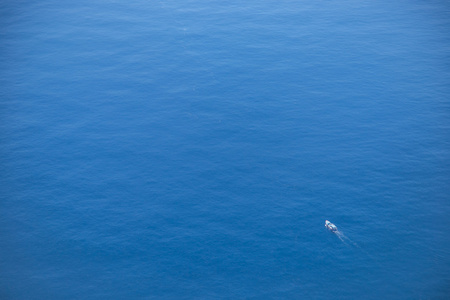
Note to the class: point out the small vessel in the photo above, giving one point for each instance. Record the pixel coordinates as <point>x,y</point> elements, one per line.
<point>330,226</point>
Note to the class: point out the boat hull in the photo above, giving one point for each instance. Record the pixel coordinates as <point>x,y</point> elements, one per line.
<point>330,226</point>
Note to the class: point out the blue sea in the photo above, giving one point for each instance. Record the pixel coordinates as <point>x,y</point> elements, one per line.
<point>193,149</point>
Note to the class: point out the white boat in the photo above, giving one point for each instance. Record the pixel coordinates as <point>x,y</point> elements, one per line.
<point>330,226</point>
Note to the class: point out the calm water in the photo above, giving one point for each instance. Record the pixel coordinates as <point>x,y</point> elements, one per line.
<point>193,149</point>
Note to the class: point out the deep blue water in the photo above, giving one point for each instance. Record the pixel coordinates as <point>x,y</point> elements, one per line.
<point>193,149</point>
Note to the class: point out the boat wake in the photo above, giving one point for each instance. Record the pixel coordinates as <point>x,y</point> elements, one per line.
<point>346,240</point>
<point>351,243</point>
<point>333,228</point>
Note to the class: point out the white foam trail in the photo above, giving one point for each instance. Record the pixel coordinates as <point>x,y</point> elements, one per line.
<point>344,238</point>
<point>340,235</point>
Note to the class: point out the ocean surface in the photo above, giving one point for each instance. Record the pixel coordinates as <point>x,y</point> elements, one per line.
<point>193,149</point>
